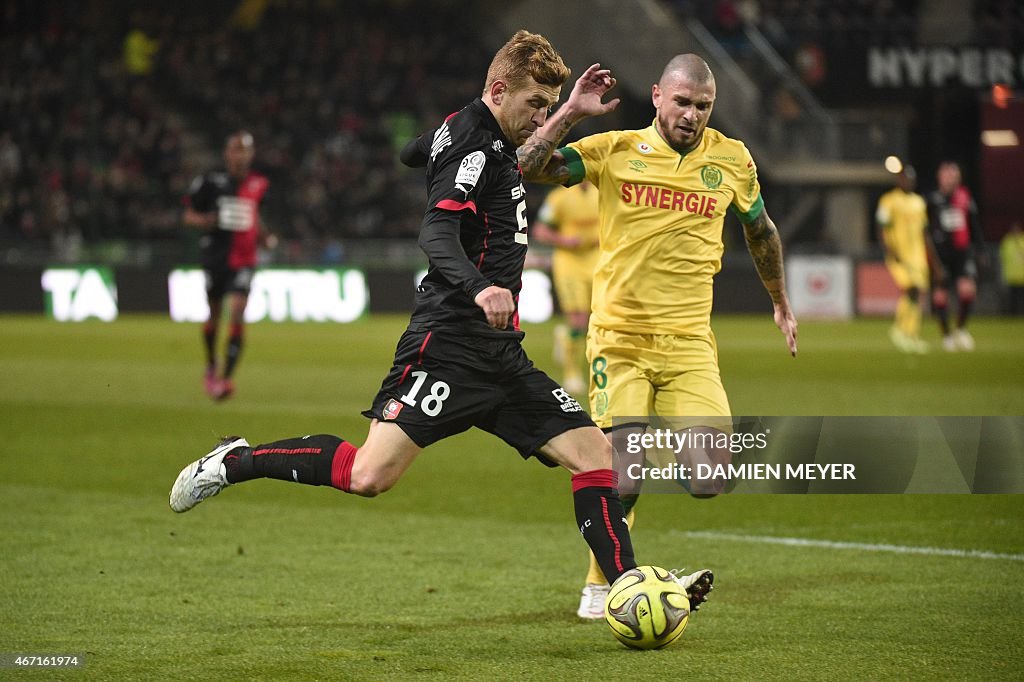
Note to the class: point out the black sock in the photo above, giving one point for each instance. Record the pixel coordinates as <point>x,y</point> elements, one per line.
<point>602,521</point>
<point>210,342</point>
<point>234,351</point>
<point>942,312</point>
<point>963,311</point>
<point>309,460</point>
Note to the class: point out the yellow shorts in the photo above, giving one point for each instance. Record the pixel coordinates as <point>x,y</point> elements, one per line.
<point>908,274</point>
<point>641,375</point>
<point>574,280</point>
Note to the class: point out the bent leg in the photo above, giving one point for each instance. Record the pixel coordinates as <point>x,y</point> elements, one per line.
<point>386,455</point>
<point>210,333</point>
<point>587,454</point>
<point>236,332</point>
<point>966,291</point>
<point>328,460</point>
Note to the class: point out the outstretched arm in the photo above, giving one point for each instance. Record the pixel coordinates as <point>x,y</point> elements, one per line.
<point>766,249</point>
<point>537,156</point>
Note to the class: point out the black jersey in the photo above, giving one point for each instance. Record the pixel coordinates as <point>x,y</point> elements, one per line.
<point>232,244</point>
<point>953,221</point>
<point>474,229</point>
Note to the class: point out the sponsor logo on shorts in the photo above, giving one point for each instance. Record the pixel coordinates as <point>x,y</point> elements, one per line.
<point>601,404</point>
<point>568,403</point>
<point>391,409</point>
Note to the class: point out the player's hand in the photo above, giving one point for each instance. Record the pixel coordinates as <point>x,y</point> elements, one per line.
<point>786,322</point>
<point>585,98</point>
<point>497,305</point>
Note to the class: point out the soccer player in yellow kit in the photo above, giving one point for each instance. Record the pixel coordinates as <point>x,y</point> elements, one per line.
<point>902,217</point>
<point>664,192</point>
<point>568,221</point>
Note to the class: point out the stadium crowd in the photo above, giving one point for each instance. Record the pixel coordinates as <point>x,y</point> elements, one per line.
<point>109,108</point>
<point>107,112</point>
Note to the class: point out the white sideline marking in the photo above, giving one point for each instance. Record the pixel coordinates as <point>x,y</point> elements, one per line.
<point>863,546</point>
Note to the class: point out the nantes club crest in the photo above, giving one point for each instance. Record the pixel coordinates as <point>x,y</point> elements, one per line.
<point>711,177</point>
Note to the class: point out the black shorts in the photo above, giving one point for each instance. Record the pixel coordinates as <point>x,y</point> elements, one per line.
<point>957,264</point>
<point>224,280</point>
<point>442,384</point>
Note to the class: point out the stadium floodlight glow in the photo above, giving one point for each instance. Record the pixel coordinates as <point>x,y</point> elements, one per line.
<point>999,138</point>
<point>893,164</point>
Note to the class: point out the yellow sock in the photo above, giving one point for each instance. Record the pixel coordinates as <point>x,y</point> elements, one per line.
<point>575,353</point>
<point>595,576</point>
<point>903,315</point>
<point>913,319</point>
<point>561,345</point>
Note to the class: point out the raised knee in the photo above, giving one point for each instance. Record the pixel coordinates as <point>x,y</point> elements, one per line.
<point>369,483</point>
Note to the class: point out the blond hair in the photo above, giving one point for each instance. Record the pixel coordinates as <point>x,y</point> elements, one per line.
<point>527,55</point>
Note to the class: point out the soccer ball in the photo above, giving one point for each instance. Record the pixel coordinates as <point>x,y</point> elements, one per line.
<point>646,608</point>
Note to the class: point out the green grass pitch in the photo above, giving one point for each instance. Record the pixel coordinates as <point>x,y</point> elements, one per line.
<point>470,568</point>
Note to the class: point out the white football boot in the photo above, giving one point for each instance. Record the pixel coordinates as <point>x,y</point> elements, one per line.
<point>592,601</point>
<point>204,477</point>
<point>696,585</point>
<point>964,340</point>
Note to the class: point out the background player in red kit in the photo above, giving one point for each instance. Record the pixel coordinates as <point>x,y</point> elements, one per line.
<point>225,203</point>
<point>955,231</point>
<point>460,362</point>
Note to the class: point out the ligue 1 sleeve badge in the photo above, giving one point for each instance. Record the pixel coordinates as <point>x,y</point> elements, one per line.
<point>391,409</point>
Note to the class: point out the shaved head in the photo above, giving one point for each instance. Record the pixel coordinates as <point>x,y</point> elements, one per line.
<point>689,66</point>
<point>684,98</point>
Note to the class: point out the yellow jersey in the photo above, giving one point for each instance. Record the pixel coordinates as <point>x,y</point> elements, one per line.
<point>573,212</point>
<point>904,219</point>
<point>661,218</point>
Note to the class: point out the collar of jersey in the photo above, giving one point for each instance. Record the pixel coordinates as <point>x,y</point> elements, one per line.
<point>491,123</point>
<point>661,144</point>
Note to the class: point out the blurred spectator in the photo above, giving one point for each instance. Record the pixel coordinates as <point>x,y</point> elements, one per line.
<point>138,52</point>
<point>1011,258</point>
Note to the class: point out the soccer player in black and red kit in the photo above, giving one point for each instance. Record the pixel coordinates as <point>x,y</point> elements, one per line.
<point>225,204</point>
<point>460,362</point>
<point>956,233</point>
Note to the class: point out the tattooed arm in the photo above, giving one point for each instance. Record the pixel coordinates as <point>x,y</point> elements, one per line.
<point>537,156</point>
<point>766,249</point>
<point>541,162</point>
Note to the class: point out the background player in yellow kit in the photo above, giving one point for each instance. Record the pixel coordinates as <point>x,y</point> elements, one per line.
<point>664,192</point>
<point>902,218</point>
<point>568,221</point>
